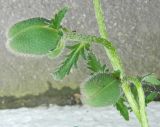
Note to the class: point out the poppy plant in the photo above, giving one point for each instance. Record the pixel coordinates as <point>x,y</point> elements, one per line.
<point>47,37</point>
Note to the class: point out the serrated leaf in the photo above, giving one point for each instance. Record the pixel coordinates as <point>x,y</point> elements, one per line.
<point>56,52</point>
<point>68,63</point>
<point>56,22</point>
<point>151,79</point>
<point>94,64</point>
<point>84,52</point>
<point>151,97</point>
<point>122,108</point>
<point>100,90</point>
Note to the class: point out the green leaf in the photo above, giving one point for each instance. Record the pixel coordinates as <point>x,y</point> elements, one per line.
<point>70,60</point>
<point>151,79</point>
<point>33,37</point>
<point>151,97</point>
<point>84,52</point>
<point>100,90</point>
<point>120,105</point>
<point>56,52</point>
<point>56,22</point>
<point>94,64</point>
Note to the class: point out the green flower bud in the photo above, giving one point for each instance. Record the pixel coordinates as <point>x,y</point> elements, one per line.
<point>100,90</point>
<point>33,37</point>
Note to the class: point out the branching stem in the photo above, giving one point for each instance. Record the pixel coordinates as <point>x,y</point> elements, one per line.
<point>141,98</point>
<point>110,50</point>
<point>114,58</point>
<point>138,109</point>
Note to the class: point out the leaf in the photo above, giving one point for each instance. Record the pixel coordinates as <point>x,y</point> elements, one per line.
<point>94,64</point>
<point>33,37</point>
<point>84,53</point>
<point>151,79</point>
<point>56,52</point>
<point>68,63</point>
<point>151,97</point>
<point>120,105</point>
<point>100,90</point>
<point>56,22</point>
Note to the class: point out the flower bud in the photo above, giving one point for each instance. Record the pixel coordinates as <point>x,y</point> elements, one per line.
<point>33,37</point>
<point>100,90</point>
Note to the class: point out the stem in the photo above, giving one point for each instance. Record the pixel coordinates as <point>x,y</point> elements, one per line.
<point>141,97</point>
<point>110,50</point>
<point>141,115</point>
<point>130,98</point>
<point>115,60</point>
<point>116,63</point>
<point>101,19</point>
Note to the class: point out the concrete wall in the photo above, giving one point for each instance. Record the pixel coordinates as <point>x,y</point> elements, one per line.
<point>133,25</point>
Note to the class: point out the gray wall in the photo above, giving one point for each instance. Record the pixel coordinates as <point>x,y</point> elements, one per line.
<point>133,25</point>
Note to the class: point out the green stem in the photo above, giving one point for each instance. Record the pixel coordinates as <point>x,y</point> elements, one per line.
<point>115,60</point>
<point>110,50</point>
<point>118,65</point>
<point>141,97</point>
<point>131,100</point>
<point>101,19</point>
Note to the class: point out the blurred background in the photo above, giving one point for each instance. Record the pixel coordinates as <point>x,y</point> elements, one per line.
<point>133,26</point>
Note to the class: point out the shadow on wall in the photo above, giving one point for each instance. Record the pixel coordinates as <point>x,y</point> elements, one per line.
<point>65,96</point>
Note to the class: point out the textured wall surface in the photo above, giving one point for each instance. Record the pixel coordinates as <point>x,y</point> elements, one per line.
<point>74,116</point>
<point>134,27</point>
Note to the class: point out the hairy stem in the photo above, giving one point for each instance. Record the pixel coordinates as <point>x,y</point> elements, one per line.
<point>118,64</point>
<point>130,98</point>
<point>140,113</point>
<point>138,108</point>
<point>101,19</point>
<point>113,56</point>
<point>110,50</point>
<point>141,97</point>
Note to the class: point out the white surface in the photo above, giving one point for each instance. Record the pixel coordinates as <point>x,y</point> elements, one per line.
<point>74,116</point>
